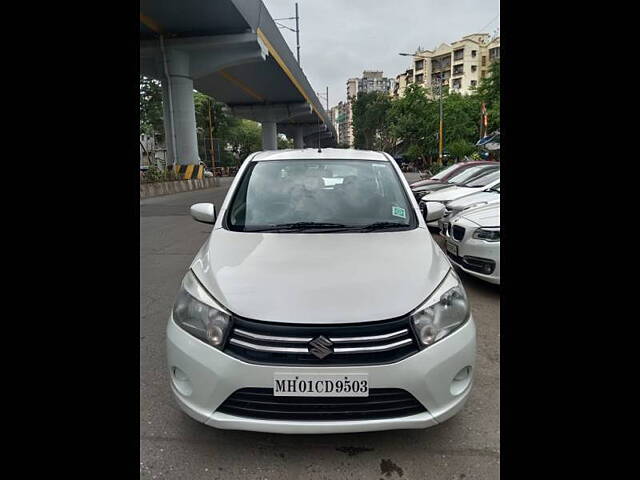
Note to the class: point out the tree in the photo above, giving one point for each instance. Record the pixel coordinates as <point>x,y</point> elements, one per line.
<point>284,143</point>
<point>489,92</point>
<point>461,119</point>
<point>151,114</point>
<point>245,138</point>
<point>460,148</point>
<point>414,121</point>
<point>371,126</point>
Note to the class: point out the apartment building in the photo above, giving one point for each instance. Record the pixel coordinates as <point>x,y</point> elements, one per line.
<point>343,127</point>
<point>461,65</point>
<point>403,80</point>
<point>371,81</point>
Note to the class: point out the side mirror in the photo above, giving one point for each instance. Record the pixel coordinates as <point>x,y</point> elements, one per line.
<point>432,211</point>
<point>204,212</point>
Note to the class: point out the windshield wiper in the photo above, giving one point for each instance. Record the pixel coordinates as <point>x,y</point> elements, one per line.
<point>298,226</point>
<point>383,226</point>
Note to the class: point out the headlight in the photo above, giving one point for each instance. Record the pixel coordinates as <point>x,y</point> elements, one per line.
<point>445,311</point>
<point>199,314</point>
<point>488,234</point>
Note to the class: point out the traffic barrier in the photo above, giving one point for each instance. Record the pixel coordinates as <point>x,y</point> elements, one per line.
<point>167,188</point>
<point>189,172</point>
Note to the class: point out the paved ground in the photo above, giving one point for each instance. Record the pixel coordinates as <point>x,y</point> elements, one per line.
<point>173,445</point>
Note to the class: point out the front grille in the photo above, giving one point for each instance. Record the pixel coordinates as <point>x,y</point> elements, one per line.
<point>368,343</point>
<point>458,232</point>
<point>381,403</point>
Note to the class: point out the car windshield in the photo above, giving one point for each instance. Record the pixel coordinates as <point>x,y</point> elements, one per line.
<point>313,195</point>
<point>447,170</point>
<point>484,180</point>
<point>467,173</point>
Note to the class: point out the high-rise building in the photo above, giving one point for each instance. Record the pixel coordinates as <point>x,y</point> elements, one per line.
<point>371,81</point>
<point>461,65</point>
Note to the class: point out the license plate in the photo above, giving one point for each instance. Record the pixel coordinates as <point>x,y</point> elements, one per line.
<point>452,248</point>
<point>320,385</point>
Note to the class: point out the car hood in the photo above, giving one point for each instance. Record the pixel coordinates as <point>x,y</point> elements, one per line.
<point>485,216</point>
<point>432,187</point>
<point>320,278</point>
<point>422,183</point>
<point>451,193</point>
<point>469,200</point>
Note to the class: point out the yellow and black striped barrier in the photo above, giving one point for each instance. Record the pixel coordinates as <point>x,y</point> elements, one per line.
<point>189,172</point>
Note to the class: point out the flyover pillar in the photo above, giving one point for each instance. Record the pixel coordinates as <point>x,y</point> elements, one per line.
<point>269,136</point>
<point>298,139</point>
<point>179,110</point>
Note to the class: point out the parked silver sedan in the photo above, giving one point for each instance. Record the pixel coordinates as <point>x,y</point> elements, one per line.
<point>472,242</point>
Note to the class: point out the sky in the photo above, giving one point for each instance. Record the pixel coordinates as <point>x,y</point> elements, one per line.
<point>341,38</point>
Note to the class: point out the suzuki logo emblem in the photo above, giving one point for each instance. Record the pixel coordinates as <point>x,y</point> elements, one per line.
<point>320,347</point>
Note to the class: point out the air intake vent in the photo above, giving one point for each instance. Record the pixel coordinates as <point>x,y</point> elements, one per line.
<point>381,403</point>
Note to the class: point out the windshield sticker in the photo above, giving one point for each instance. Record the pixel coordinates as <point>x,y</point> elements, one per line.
<point>398,212</point>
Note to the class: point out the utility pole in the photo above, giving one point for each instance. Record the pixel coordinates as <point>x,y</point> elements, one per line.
<point>440,138</point>
<point>297,30</point>
<point>297,33</point>
<point>327,99</point>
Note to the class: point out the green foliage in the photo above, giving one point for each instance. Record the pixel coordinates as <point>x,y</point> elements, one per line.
<point>245,138</point>
<point>154,174</point>
<point>461,122</point>
<point>151,114</point>
<point>371,121</point>
<point>415,120</point>
<point>381,122</point>
<point>284,143</point>
<point>460,148</point>
<point>489,92</point>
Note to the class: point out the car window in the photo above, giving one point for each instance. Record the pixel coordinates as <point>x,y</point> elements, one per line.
<point>468,173</point>
<point>444,172</point>
<point>483,180</point>
<point>481,173</point>
<point>347,192</point>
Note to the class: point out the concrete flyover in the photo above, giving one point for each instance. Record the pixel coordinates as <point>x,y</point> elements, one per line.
<point>233,51</point>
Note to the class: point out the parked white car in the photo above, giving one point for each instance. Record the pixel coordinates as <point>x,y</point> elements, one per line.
<point>453,208</point>
<point>472,241</point>
<point>320,306</point>
<point>447,195</point>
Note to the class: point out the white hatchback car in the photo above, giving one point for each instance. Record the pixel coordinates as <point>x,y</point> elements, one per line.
<point>320,303</point>
<point>473,241</point>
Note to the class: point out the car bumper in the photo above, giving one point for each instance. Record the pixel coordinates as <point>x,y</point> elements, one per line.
<point>208,376</point>
<point>471,248</point>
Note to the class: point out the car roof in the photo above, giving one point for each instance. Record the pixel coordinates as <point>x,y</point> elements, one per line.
<point>323,154</point>
<point>476,162</point>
